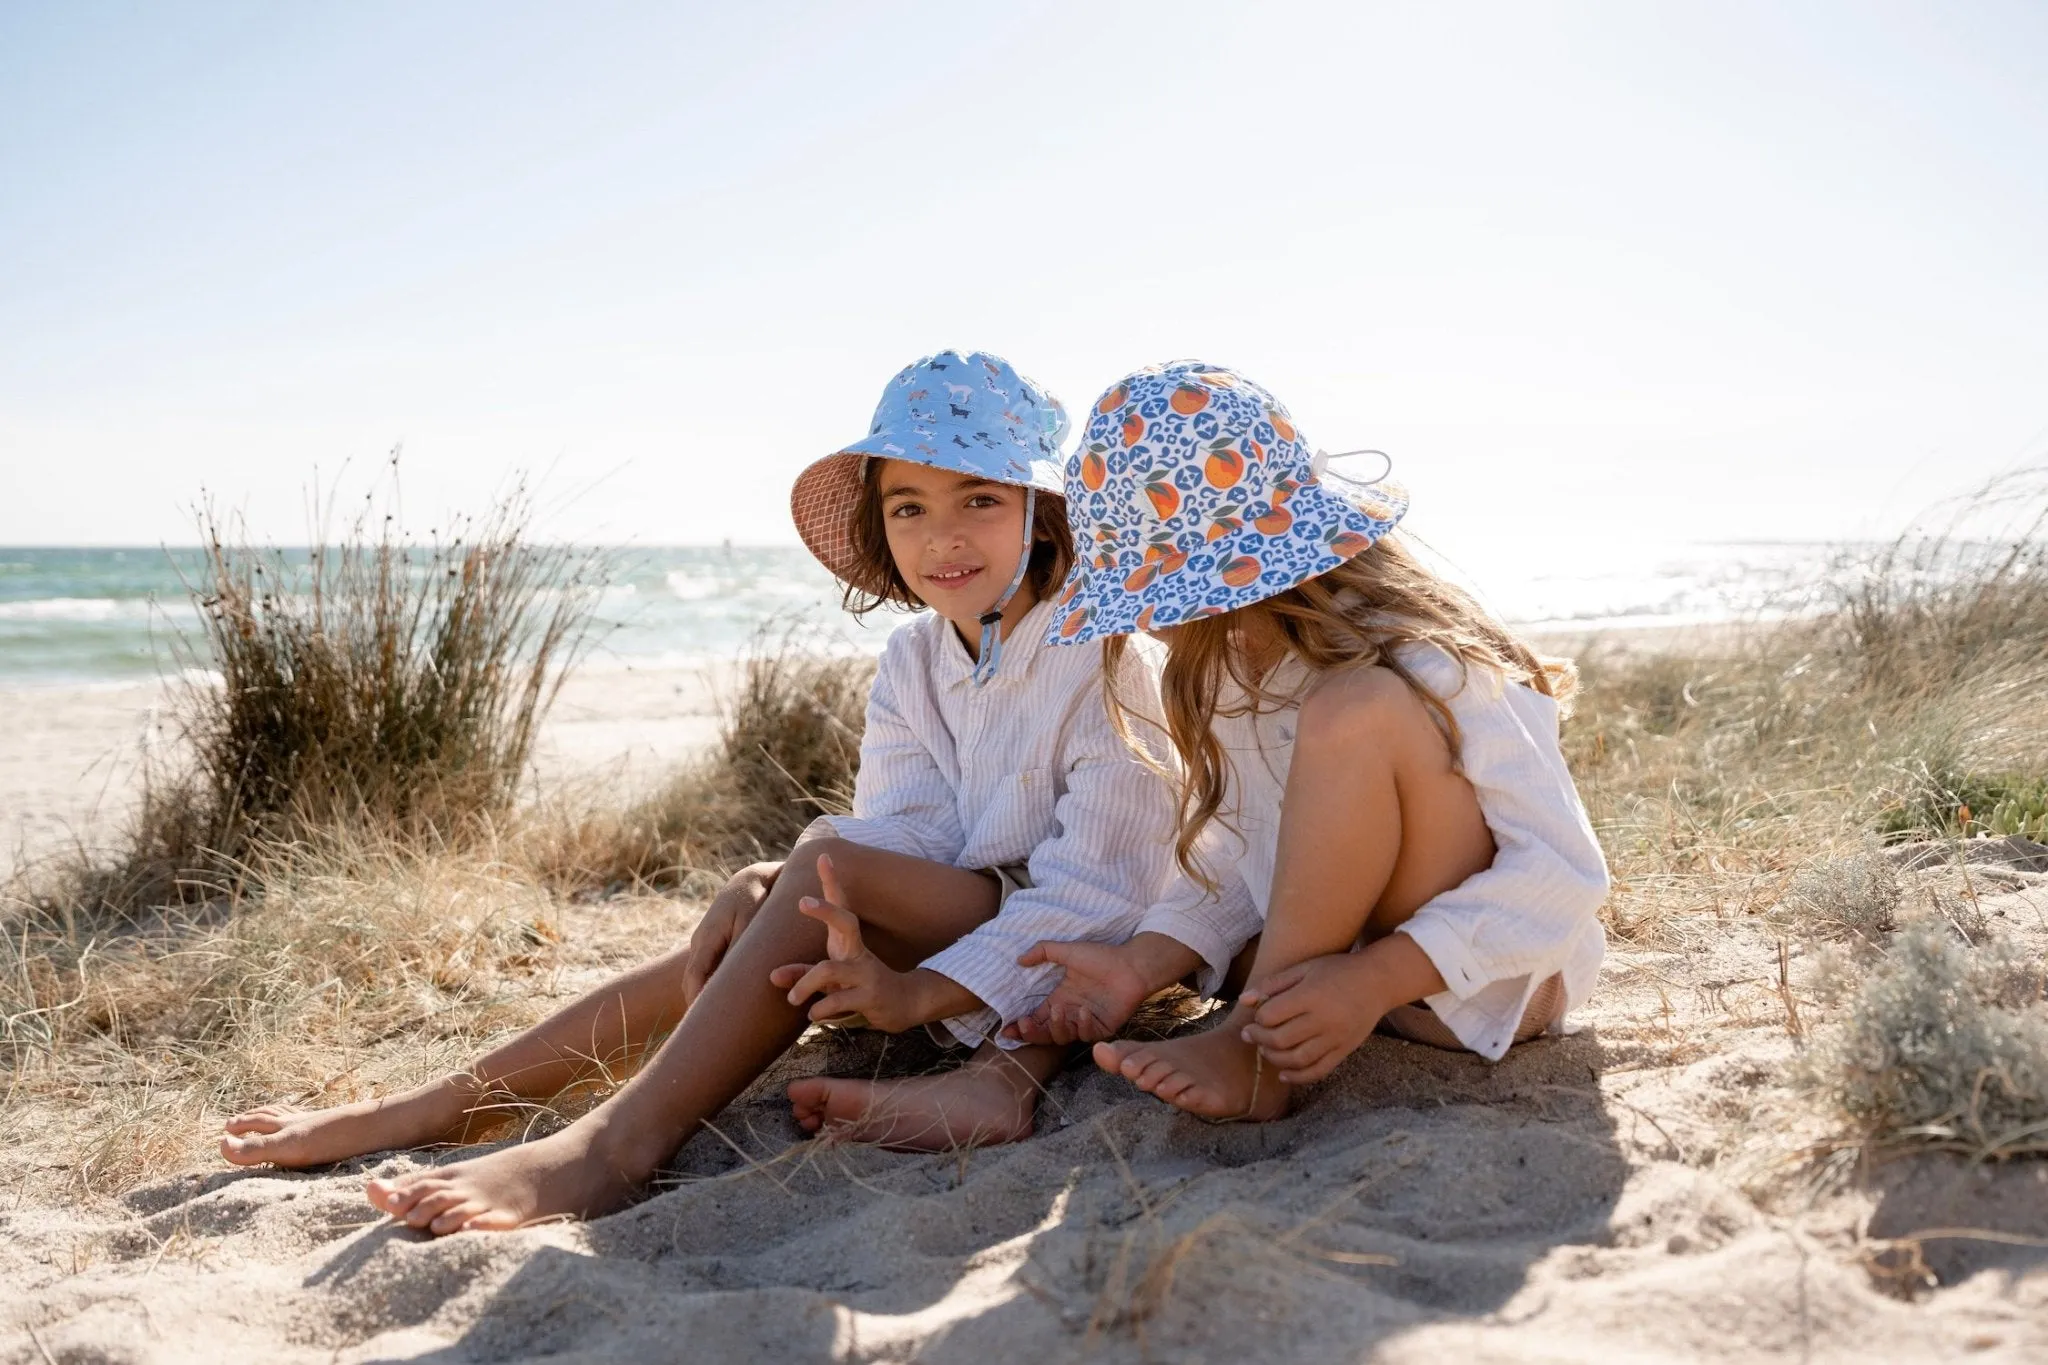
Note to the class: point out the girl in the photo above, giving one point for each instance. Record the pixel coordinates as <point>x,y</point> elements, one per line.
<point>1371,772</point>
<point>996,804</point>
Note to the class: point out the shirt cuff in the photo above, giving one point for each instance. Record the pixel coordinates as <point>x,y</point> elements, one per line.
<point>1216,945</point>
<point>1449,954</point>
<point>990,970</point>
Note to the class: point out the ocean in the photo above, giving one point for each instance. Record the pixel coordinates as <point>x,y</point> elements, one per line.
<point>72,616</point>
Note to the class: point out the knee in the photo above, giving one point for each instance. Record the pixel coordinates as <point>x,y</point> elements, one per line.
<point>849,862</point>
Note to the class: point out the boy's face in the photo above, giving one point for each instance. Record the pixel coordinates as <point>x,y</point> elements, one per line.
<point>956,539</point>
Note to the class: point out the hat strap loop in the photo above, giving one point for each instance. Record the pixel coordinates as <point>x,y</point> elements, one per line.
<point>991,652</point>
<point>1321,464</point>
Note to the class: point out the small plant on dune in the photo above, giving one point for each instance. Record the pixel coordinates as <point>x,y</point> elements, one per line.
<point>1951,805</point>
<point>1855,899</point>
<point>1943,1044</point>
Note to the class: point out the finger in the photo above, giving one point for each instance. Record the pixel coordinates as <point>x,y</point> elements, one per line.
<point>828,880</point>
<point>1286,1005</point>
<point>1057,952</point>
<point>842,928</point>
<point>818,980</point>
<point>841,1003</point>
<point>1265,988</point>
<point>1309,1075</point>
<point>703,962</point>
<point>1297,1058</point>
<point>1033,1027</point>
<point>789,974</point>
<point>1293,1033</point>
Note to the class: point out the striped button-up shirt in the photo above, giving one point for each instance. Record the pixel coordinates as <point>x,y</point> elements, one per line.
<point>1026,769</point>
<point>1497,936</point>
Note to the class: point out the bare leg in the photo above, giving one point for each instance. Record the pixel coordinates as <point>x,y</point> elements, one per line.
<point>1377,822</point>
<point>992,1099</point>
<point>605,1032</point>
<point>909,909</point>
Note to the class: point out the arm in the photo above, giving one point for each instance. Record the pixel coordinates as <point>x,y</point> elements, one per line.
<point>1215,925</point>
<point>903,802</point>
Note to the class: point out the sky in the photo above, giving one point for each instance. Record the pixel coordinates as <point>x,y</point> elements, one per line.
<point>1594,274</point>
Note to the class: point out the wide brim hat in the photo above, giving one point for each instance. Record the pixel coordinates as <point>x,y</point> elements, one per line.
<point>969,413</point>
<point>1193,493</point>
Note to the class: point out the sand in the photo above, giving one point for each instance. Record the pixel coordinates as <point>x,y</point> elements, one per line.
<point>71,757</point>
<point>1649,1188</point>
<point>1635,1191</point>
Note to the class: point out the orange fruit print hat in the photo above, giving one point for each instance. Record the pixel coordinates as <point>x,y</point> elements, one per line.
<point>1193,494</point>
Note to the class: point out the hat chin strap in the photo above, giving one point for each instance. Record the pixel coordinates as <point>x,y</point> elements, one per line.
<point>991,652</point>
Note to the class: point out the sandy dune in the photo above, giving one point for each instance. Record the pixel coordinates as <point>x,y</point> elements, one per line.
<point>1637,1191</point>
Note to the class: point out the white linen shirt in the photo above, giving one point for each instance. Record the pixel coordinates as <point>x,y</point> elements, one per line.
<point>1495,937</point>
<point>1026,769</point>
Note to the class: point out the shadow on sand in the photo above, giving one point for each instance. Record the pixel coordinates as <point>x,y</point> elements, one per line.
<point>1415,1186</point>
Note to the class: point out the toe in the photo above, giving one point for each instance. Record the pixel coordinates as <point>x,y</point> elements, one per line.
<point>492,1220</point>
<point>395,1196</point>
<point>1150,1073</point>
<point>432,1205</point>
<point>456,1218</point>
<point>1109,1057</point>
<point>255,1121</point>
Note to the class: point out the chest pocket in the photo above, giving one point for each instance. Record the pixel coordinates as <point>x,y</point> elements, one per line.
<point>1017,819</point>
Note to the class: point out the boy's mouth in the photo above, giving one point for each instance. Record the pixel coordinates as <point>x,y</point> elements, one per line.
<point>953,577</point>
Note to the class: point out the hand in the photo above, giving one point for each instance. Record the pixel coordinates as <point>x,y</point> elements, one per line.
<point>731,911</point>
<point>1311,1016</point>
<point>851,980</point>
<point>1101,989</point>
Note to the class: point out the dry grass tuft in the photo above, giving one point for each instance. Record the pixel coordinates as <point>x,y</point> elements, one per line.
<point>788,747</point>
<point>374,683</point>
<point>1854,899</point>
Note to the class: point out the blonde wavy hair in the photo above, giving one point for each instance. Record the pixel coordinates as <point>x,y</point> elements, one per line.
<point>1356,615</point>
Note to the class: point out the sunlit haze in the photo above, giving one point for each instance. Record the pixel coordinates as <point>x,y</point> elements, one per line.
<point>1593,273</point>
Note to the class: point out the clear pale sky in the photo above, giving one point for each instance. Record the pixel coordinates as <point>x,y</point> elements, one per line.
<point>1598,272</point>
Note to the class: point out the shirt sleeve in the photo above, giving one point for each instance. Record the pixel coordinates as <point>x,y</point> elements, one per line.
<point>1501,933</point>
<point>902,801</point>
<point>1215,923</point>
<point>1092,880</point>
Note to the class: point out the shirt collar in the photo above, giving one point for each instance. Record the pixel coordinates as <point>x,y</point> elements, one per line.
<point>955,666</point>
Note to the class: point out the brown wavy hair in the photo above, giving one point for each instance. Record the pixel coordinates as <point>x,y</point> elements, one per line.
<point>872,581</point>
<point>1356,615</point>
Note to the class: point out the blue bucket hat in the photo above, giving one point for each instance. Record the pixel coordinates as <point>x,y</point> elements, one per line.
<point>1193,494</point>
<point>966,413</point>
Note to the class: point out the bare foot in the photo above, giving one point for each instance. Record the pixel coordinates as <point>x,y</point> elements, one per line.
<point>975,1106</point>
<point>580,1172</point>
<point>1215,1074</point>
<point>440,1111</point>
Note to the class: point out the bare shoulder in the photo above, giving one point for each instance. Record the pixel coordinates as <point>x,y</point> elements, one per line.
<point>1345,703</point>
